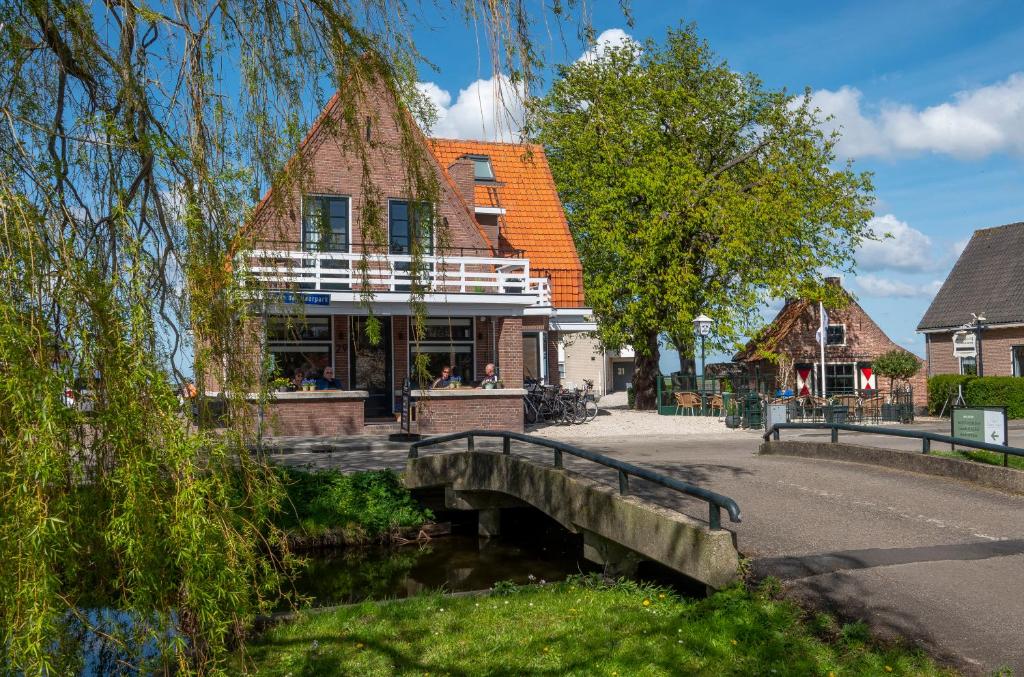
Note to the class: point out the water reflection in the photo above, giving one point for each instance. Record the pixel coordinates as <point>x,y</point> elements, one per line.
<point>454,563</point>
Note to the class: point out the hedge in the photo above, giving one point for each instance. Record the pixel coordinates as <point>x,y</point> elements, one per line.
<point>1005,391</point>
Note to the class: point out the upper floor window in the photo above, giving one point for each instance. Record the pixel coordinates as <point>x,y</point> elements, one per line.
<point>482,170</point>
<point>325,223</point>
<point>406,222</point>
<point>836,335</point>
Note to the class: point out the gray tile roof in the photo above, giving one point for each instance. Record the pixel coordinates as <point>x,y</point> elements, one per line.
<point>988,279</point>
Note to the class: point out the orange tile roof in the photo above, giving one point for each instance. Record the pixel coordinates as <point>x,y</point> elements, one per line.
<point>534,220</point>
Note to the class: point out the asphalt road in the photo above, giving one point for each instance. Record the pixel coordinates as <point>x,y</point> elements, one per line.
<point>937,561</point>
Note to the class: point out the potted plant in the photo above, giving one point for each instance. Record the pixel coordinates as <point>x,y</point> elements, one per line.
<point>308,384</point>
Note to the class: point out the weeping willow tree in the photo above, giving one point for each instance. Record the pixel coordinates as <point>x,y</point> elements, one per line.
<point>134,140</point>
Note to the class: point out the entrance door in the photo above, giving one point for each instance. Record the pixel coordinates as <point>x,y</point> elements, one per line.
<point>370,367</point>
<point>622,375</point>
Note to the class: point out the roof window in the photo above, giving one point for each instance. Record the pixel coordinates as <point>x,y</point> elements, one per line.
<point>482,170</point>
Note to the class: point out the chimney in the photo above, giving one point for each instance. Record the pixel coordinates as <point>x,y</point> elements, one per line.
<point>461,172</point>
<point>833,280</point>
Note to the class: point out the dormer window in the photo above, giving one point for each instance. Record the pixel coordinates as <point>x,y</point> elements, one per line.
<point>482,170</point>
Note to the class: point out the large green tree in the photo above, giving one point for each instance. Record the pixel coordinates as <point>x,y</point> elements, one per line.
<point>690,189</point>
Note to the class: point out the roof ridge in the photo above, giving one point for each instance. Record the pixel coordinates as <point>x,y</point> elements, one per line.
<point>490,143</point>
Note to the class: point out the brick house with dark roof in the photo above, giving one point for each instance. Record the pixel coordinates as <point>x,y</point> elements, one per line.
<point>506,286</point>
<point>853,342</point>
<point>987,281</point>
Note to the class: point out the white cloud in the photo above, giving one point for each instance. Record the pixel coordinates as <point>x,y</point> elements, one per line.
<point>613,37</point>
<point>488,110</point>
<point>975,123</point>
<point>908,249</point>
<point>959,246</point>
<point>874,285</point>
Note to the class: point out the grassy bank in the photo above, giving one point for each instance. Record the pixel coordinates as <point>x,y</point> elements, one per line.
<point>580,627</point>
<point>980,456</point>
<point>330,507</point>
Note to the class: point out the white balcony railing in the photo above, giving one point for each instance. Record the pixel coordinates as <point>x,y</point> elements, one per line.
<point>345,272</point>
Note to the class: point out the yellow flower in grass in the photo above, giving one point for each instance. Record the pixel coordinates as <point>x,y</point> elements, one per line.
<point>888,668</point>
<point>647,602</point>
<point>733,642</point>
<point>661,596</point>
<point>359,645</point>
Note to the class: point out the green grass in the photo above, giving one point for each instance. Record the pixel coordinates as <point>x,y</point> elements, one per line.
<point>577,628</point>
<point>979,456</point>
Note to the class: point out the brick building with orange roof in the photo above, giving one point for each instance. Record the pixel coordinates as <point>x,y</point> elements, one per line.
<point>506,289</point>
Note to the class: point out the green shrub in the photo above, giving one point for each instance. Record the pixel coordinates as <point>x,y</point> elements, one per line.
<point>979,391</point>
<point>365,505</point>
<point>1007,391</point>
<point>943,387</point>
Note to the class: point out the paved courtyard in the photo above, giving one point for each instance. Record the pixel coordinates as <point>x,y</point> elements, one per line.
<point>935,560</point>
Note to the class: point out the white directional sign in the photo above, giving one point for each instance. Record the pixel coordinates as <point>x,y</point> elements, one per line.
<point>995,426</point>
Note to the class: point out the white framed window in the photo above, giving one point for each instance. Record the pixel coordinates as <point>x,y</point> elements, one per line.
<point>1017,352</point>
<point>969,366</point>
<point>835,335</point>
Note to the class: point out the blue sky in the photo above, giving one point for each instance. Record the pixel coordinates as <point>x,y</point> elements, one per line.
<point>930,96</point>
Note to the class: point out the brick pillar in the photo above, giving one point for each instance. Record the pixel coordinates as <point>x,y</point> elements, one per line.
<point>552,348</point>
<point>484,345</point>
<point>510,351</point>
<point>400,349</point>
<point>341,350</point>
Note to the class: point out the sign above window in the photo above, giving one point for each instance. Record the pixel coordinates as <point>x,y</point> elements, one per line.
<point>965,345</point>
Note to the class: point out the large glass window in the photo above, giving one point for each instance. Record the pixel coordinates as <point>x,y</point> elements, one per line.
<point>325,228</point>
<point>406,223</point>
<point>448,341</point>
<point>299,344</point>
<point>531,357</point>
<point>325,225</point>
<point>839,378</point>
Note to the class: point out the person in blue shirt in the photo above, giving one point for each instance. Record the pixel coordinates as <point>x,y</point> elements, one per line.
<point>327,381</point>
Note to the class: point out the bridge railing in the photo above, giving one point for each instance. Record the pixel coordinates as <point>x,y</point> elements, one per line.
<point>925,436</point>
<point>716,502</point>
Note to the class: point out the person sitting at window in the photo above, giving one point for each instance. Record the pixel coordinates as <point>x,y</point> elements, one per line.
<point>327,381</point>
<point>490,375</point>
<point>444,380</point>
<point>297,379</point>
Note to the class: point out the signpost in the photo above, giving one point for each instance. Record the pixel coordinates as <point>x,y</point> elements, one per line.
<point>979,424</point>
<point>406,405</point>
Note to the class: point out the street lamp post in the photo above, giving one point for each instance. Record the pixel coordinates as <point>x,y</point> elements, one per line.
<point>978,319</point>
<point>702,324</point>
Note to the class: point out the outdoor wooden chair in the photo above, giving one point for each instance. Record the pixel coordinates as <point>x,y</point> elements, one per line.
<point>714,403</point>
<point>686,401</point>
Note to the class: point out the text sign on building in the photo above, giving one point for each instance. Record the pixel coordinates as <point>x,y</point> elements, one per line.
<point>308,299</point>
<point>964,345</point>
<point>980,424</point>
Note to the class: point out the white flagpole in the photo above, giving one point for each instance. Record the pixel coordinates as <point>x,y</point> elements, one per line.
<point>821,343</point>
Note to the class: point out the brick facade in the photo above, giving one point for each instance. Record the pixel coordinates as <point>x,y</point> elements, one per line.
<point>797,324</point>
<point>510,350</point>
<point>996,351</point>
<point>311,416</point>
<point>440,414</point>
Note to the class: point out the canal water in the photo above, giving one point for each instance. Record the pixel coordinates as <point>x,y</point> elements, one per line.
<point>530,549</point>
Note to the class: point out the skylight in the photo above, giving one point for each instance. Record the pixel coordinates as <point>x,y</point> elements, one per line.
<point>482,170</point>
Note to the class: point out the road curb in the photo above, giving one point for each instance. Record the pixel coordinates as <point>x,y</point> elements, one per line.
<point>1007,480</point>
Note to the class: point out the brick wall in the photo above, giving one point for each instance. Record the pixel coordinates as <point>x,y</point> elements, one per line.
<point>333,170</point>
<point>439,415</point>
<point>510,350</point>
<point>552,350</point>
<point>341,370</point>
<point>288,418</point>
<point>996,352</point>
<point>484,344</point>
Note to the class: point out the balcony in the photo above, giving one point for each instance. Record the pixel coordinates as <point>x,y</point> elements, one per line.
<point>463,275</point>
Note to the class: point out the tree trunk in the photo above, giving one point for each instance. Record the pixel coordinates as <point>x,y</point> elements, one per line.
<point>646,372</point>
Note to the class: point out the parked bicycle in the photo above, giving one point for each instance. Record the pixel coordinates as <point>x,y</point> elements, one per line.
<point>548,403</point>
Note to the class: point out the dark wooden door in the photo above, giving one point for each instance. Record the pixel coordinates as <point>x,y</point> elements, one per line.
<point>370,366</point>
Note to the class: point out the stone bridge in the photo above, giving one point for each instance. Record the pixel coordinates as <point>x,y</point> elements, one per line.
<point>618,531</point>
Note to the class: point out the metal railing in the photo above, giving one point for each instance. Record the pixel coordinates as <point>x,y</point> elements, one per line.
<point>350,271</point>
<point>716,502</point>
<point>925,436</point>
